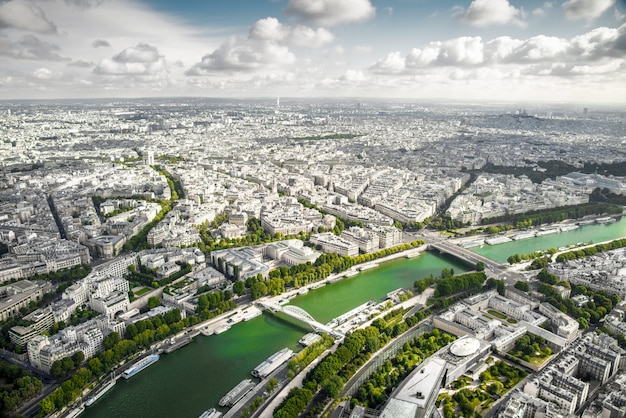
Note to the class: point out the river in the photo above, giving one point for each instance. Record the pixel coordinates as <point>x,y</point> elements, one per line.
<point>195,377</point>
<point>586,233</point>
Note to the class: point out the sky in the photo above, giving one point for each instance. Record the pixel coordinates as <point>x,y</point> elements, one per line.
<point>501,50</point>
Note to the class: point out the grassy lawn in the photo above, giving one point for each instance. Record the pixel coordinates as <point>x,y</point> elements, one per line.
<point>511,321</point>
<point>497,314</point>
<point>142,291</point>
<point>538,360</point>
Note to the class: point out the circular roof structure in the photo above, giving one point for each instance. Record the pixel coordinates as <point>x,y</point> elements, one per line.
<point>465,347</point>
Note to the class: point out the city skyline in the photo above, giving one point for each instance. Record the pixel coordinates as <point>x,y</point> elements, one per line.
<point>557,51</point>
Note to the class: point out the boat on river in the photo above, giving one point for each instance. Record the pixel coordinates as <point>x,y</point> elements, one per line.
<point>272,363</point>
<point>104,389</point>
<point>222,329</point>
<point>237,393</point>
<point>605,220</point>
<point>139,366</point>
<point>211,413</point>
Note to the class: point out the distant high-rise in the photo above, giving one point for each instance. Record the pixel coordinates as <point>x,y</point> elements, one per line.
<point>278,102</point>
<point>585,110</point>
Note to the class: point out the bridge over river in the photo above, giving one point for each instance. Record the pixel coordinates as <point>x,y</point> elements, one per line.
<point>497,270</point>
<point>302,316</point>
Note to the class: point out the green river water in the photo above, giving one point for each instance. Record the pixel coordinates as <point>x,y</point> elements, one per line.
<point>195,377</point>
<point>586,233</point>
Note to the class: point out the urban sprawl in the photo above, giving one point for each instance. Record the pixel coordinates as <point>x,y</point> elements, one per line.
<point>129,227</point>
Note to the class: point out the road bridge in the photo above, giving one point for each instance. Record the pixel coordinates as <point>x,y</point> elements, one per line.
<point>302,316</point>
<point>497,270</point>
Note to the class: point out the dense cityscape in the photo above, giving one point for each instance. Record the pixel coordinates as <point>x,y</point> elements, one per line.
<point>133,229</point>
<point>313,209</point>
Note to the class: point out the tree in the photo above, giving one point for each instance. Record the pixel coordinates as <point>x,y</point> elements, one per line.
<point>78,358</point>
<point>271,384</point>
<point>521,285</point>
<point>332,386</point>
<point>95,365</point>
<point>480,266</point>
<point>239,287</point>
<point>153,302</point>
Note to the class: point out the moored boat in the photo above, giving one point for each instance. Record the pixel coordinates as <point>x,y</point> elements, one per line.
<point>211,413</point>
<point>237,393</point>
<point>97,395</point>
<point>139,366</point>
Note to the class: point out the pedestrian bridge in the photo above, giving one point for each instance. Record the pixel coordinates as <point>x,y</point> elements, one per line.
<point>302,316</point>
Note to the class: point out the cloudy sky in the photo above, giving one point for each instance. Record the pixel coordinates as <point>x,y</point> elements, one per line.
<point>561,50</point>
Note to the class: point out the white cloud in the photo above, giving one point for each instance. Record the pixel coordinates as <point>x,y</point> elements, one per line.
<point>354,76</point>
<point>331,12</point>
<point>542,11</point>
<point>270,29</point>
<point>586,9</point>
<point>42,73</point>
<point>142,53</point>
<point>312,38</point>
<point>482,13</point>
<point>394,63</point>
<point>266,46</point>
<point>598,47</point>
<point>140,60</point>
<point>243,54</point>
<point>26,16</point>
<point>460,51</point>
<point>30,47</point>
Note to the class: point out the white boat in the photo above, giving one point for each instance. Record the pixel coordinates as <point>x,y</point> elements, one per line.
<point>605,220</point>
<point>104,389</point>
<point>140,365</point>
<point>309,339</point>
<point>497,240</point>
<point>522,235</point>
<point>237,393</point>
<point>368,266</point>
<point>211,413</point>
<point>251,316</point>
<point>546,232</point>
<point>272,363</point>
<point>222,329</point>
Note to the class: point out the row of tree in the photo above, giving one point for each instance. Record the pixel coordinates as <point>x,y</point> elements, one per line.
<point>546,216</point>
<point>375,391</point>
<point>139,336</point>
<point>299,361</point>
<point>302,274</point>
<point>139,241</point>
<point>329,376</point>
<point>18,385</point>
<point>589,251</point>
<point>518,258</point>
<point>68,392</point>
<point>455,284</point>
